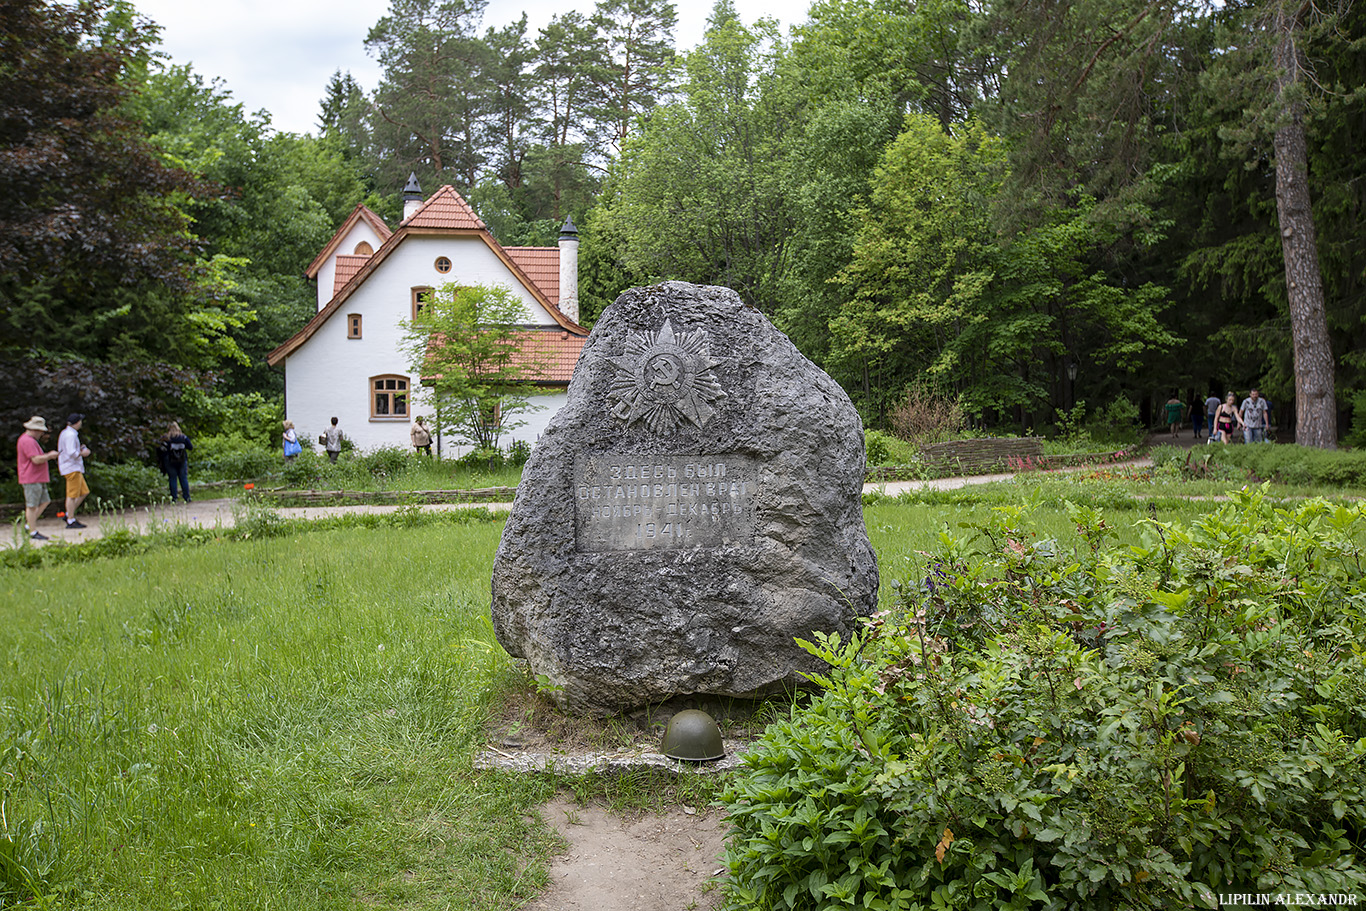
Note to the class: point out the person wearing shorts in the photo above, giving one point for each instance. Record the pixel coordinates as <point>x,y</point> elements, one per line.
<point>71,465</point>
<point>33,474</point>
<point>1227,418</point>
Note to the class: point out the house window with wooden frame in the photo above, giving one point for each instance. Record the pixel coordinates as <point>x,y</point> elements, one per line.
<point>443,264</point>
<point>389,398</point>
<point>421,298</point>
<point>353,325</point>
<point>490,415</point>
<point>364,249</point>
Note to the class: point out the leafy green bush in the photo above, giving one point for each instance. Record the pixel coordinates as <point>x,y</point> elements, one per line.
<point>386,461</point>
<point>248,416</point>
<point>490,459</point>
<point>877,447</point>
<point>1200,463</point>
<point>884,449</point>
<point>232,456</point>
<point>1065,726</point>
<point>306,470</point>
<point>1356,435</point>
<point>1282,463</point>
<point>120,485</point>
<point>518,452</point>
<point>1116,424</point>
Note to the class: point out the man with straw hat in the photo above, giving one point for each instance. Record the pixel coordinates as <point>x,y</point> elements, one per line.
<point>33,474</point>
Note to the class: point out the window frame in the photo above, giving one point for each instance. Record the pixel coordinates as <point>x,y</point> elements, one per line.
<point>417,293</point>
<point>353,325</point>
<point>402,388</point>
<point>436,264</point>
<point>363,249</point>
<point>496,425</point>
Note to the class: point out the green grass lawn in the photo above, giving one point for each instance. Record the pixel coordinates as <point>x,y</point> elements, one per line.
<point>289,722</point>
<point>284,724</point>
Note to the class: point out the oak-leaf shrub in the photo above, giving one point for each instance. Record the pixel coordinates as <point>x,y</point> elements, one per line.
<point>1077,726</point>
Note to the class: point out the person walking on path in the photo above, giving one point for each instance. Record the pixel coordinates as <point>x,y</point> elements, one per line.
<point>1254,411</point>
<point>71,456</point>
<point>1175,414</point>
<point>332,439</point>
<point>1211,406</point>
<point>1227,417</point>
<point>1197,416</point>
<point>421,436</point>
<point>173,454</point>
<point>290,438</point>
<point>33,474</point>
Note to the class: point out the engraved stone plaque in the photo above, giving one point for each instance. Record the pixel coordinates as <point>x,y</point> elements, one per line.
<point>691,512</point>
<point>633,502</point>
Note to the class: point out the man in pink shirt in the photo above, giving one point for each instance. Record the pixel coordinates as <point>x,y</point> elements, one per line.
<point>33,475</point>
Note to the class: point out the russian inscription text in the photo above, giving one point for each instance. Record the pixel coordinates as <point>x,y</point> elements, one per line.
<point>633,503</point>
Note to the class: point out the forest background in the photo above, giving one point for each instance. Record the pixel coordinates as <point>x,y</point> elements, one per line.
<point>1019,203</point>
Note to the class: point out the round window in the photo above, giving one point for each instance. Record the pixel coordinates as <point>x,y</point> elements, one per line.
<point>443,265</point>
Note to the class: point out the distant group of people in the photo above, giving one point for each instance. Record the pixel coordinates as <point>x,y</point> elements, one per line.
<point>1222,417</point>
<point>33,467</point>
<point>331,439</point>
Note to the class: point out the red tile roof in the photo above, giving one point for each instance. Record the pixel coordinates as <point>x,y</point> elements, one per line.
<point>348,264</point>
<point>541,265</point>
<point>553,351</point>
<point>359,213</point>
<point>445,209</point>
<point>550,355</point>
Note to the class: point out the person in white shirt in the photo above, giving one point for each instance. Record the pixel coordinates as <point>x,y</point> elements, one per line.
<point>71,465</point>
<point>1254,412</point>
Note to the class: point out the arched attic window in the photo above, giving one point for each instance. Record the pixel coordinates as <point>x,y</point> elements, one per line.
<point>364,249</point>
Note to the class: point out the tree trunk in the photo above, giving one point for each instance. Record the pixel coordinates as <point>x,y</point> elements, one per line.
<point>1316,420</point>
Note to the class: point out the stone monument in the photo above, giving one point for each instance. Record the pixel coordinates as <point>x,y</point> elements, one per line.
<point>691,510</point>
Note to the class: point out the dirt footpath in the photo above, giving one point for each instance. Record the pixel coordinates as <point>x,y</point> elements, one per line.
<point>647,863</point>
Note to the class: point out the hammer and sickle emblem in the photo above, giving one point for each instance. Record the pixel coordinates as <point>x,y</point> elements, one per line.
<point>665,371</point>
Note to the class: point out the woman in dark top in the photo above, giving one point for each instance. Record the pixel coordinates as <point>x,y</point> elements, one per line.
<point>1227,418</point>
<point>173,457</point>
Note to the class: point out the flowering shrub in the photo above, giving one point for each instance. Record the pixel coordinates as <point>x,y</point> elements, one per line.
<point>1049,725</point>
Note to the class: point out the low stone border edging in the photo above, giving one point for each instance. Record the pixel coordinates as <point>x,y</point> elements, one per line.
<point>625,760</point>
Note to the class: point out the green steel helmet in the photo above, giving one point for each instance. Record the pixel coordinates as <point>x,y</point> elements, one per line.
<point>692,734</point>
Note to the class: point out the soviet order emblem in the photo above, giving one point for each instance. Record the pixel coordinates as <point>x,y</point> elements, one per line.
<point>664,377</point>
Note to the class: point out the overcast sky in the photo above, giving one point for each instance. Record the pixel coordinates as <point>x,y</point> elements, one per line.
<point>279,54</point>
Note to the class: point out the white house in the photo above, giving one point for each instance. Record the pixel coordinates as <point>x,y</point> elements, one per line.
<point>347,362</point>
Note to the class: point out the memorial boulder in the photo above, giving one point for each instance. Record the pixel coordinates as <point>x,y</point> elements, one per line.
<point>691,511</point>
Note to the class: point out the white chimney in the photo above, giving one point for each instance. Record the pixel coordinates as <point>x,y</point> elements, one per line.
<point>412,197</point>
<point>569,270</point>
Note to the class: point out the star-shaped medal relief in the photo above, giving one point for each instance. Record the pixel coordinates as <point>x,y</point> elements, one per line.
<point>664,377</point>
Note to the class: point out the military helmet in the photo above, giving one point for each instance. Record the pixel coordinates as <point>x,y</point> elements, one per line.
<point>692,734</point>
